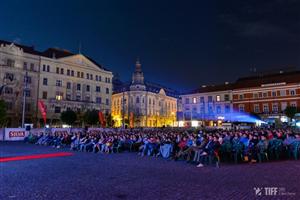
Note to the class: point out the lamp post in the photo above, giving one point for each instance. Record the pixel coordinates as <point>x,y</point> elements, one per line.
<point>24,98</point>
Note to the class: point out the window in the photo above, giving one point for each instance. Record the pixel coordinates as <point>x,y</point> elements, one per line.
<point>31,67</point>
<point>59,96</point>
<point>78,87</point>
<point>241,97</point>
<point>9,105</point>
<point>265,94</point>
<point>48,68</point>
<point>187,100</point>
<point>87,98</point>
<point>8,90</point>
<point>107,101</point>
<point>45,81</point>
<point>72,73</point>
<point>91,76</point>
<point>292,92</point>
<point>218,98</point>
<point>68,72</point>
<point>282,92</point>
<point>99,78</point>
<point>202,99</point>
<point>44,68</point>
<point>87,76</point>
<point>68,97</point>
<point>25,65</point>
<point>68,85</point>
<point>107,90</point>
<point>27,93</point>
<point>98,99</point>
<point>202,109</point>
<point>10,63</point>
<point>98,89</point>
<point>137,100</point>
<point>256,108</point>
<point>283,105</point>
<point>44,95</point>
<point>78,97</point>
<point>61,71</point>
<point>59,83</point>
<point>57,109</point>
<point>57,70</point>
<point>275,107</point>
<point>27,79</point>
<point>96,77</point>
<point>273,93</point>
<point>241,107</point>
<point>293,104</point>
<point>226,97</point>
<point>194,100</point>
<point>209,98</point>
<point>218,109</point>
<point>260,95</point>
<point>81,75</point>
<point>266,108</point>
<point>9,76</point>
<point>87,88</point>
<point>227,108</point>
<point>255,95</point>
<point>78,74</point>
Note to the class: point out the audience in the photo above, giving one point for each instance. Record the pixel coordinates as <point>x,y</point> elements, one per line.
<point>204,147</point>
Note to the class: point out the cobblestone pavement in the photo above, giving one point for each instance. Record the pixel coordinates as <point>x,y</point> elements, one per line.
<point>127,176</point>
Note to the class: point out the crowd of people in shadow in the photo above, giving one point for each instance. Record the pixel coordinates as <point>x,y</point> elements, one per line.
<point>200,147</point>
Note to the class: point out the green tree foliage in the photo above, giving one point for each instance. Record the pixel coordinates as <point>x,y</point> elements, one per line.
<point>3,114</point>
<point>91,117</point>
<point>69,117</point>
<point>290,111</point>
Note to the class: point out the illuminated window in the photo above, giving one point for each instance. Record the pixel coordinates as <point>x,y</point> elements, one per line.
<point>218,98</point>
<point>256,108</point>
<point>266,108</point>
<point>59,96</point>
<point>59,83</point>
<point>292,92</point>
<point>194,100</point>
<point>241,108</point>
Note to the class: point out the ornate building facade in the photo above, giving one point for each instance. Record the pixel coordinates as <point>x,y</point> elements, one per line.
<point>150,104</point>
<point>60,79</point>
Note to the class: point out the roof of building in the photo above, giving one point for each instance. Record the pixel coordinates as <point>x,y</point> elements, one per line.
<point>150,87</point>
<point>50,52</point>
<point>258,80</point>
<point>211,88</point>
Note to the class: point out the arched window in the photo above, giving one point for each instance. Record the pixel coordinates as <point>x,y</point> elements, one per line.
<point>137,100</point>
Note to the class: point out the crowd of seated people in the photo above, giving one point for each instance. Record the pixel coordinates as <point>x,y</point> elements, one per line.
<point>200,147</point>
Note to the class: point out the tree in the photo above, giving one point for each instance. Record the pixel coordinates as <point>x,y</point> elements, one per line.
<point>3,114</point>
<point>290,111</point>
<point>91,117</point>
<point>69,117</point>
<point>109,120</point>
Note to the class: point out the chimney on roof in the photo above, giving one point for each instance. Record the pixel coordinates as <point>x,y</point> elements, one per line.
<point>53,55</point>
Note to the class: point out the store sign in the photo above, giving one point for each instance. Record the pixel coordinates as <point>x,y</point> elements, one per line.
<point>273,84</point>
<point>15,134</point>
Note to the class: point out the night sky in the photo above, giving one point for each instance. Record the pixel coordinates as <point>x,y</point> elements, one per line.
<point>181,44</point>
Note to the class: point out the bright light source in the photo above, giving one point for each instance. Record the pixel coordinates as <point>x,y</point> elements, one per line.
<point>283,119</point>
<point>195,123</point>
<point>66,126</point>
<point>221,118</point>
<point>298,124</point>
<point>181,123</point>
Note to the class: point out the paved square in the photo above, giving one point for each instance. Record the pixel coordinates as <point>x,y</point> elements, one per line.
<point>128,176</point>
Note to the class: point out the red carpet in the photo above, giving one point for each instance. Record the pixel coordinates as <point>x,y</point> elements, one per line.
<point>39,156</point>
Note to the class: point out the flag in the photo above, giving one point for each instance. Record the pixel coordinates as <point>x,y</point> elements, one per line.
<point>131,122</point>
<point>101,119</point>
<point>42,108</point>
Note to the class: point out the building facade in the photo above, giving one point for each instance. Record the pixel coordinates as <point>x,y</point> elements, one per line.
<point>267,95</point>
<point>207,106</point>
<point>60,79</point>
<point>151,105</point>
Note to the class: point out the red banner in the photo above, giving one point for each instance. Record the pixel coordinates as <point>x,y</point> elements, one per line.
<point>131,121</point>
<point>42,108</point>
<point>101,119</point>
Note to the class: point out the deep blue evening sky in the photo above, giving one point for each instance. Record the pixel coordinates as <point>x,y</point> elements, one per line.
<point>181,44</point>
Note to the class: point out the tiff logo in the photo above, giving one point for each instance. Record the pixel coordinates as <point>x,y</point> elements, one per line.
<point>268,191</point>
